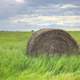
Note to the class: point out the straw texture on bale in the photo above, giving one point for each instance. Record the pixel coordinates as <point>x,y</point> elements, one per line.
<point>50,42</point>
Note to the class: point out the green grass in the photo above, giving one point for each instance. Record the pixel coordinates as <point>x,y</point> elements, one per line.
<point>16,65</point>
<point>76,35</point>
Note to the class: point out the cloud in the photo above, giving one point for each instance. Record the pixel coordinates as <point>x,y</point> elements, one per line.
<point>27,23</point>
<point>71,21</point>
<point>11,8</point>
<point>67,6</point>
<point>41,19</point>
<point>20,1</point>
<point>59,9</point>
<point>29,14</point>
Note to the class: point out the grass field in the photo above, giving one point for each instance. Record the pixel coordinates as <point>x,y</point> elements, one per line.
<point>15,65</point>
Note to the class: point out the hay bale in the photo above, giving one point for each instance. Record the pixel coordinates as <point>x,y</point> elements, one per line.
<point>50,42</point>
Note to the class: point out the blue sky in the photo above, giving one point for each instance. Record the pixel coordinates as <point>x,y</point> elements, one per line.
<point>23,15</point>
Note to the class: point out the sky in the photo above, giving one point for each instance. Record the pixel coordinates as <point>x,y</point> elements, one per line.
<point>26,15</point>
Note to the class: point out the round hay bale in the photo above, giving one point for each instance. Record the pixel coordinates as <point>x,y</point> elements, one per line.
<point>50,42</point>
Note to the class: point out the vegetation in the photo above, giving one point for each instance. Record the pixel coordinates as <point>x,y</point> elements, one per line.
<point>16,65</point>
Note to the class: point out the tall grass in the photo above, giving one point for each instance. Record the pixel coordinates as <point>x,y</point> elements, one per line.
<point>16,65</point>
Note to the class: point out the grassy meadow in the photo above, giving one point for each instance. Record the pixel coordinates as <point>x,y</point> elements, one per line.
<point>16,65</point>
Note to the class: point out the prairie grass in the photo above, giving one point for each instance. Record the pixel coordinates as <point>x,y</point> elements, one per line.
<point>16,65</point>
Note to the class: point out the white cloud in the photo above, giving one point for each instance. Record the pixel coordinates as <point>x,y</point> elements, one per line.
<point>39,20</point>
<point>63,6</point>
<point>26,22</point>
<point>67,6</point>
<point>20,1</point>
<point>58,9</point>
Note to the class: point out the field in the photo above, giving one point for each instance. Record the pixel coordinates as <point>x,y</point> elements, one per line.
<point>16,65</point>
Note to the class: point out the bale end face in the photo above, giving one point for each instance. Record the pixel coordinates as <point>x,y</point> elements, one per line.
<point>50,42</point>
